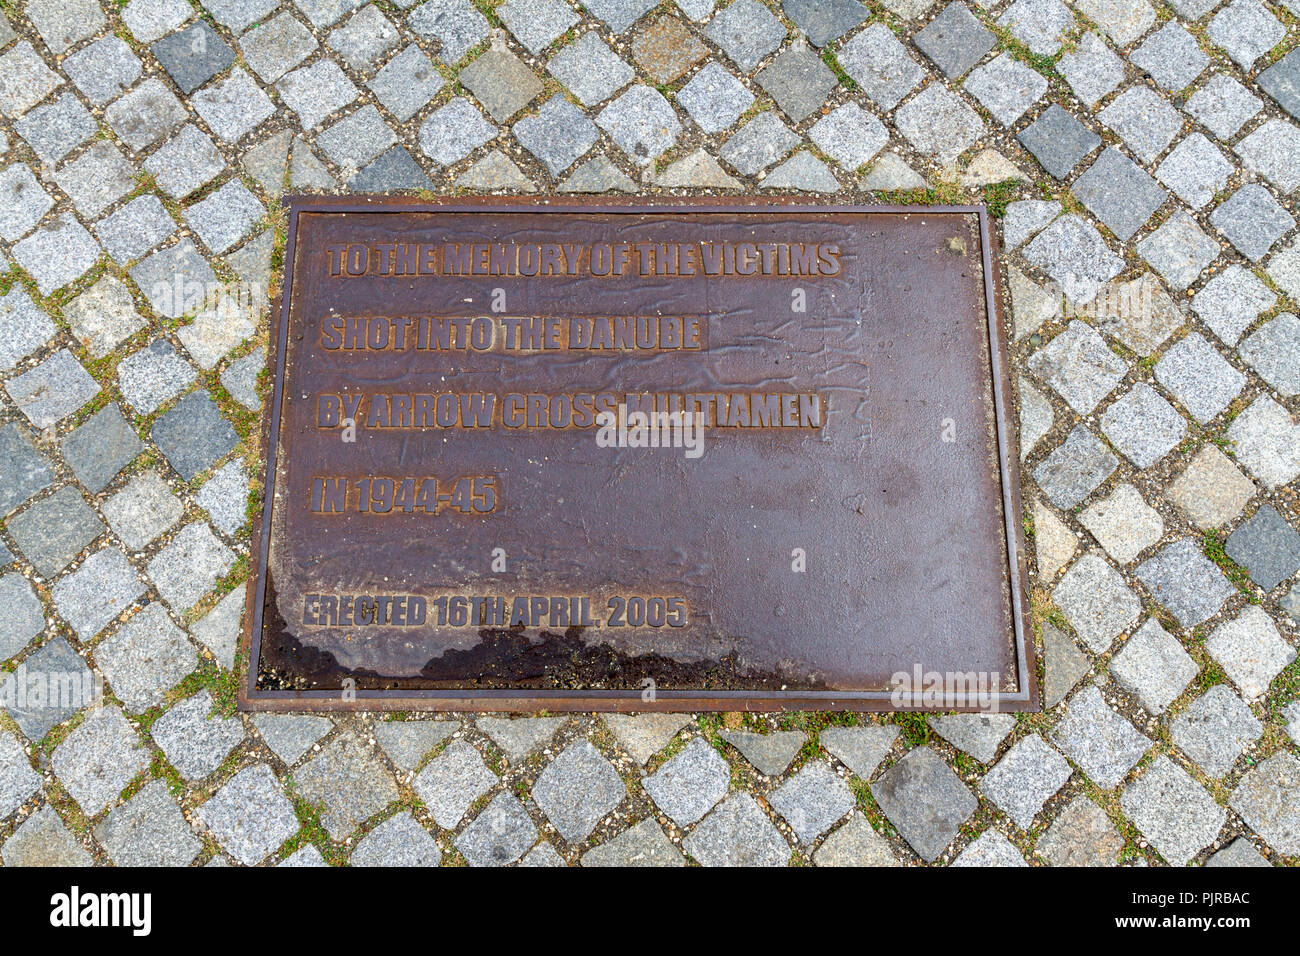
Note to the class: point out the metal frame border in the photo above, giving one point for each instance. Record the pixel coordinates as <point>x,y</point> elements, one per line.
<point>1025,698</point>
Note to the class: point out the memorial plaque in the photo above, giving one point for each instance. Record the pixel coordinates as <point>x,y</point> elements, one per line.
<point>681,456</point>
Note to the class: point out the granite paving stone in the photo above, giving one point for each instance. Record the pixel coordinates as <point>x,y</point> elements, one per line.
<point>990,849</point>
<point>64,23</point>
<point>54,530</point>
<point>142,510</point>
<point>1079,366</point>
<point>24,79</point>
<point>861,748</point>
<point>1076,256</point>
<point>1273,350</point>
<point>250,816</point>
<point>452,781</point>
<point>979,735</point>
<point>501,82</point>
<point>1143,426</point>
<point>590,69</point>
<point>1171,56</point>
<point>495,171</point>
<point>759,143</point>
<point>1185,581</point>
<point>1006,87</point>
<point>737,833</point>
<point>955,40</point>
<point>290,736</point>
<point>1273,151</point>
<point>22,693</point>
<point>148,830</point>
<point>1265,545</point>
<point>1173,811</point>
<point>98,759</point>
<point>185,163</point>
<point>456,27</point>
<point>536,23</point>
<point>154,375</point>
<point>641,122</point>
<point>1215,730</point>
<point>1268,799</point>
<point>25,202</point>
<point>233,107</point>
<point>812,801</point>
<point>1245,30</point>
<point>498,836</point>
<point>644,735</point>
<point>454,131</point>
<point>146,657</point>
<point>1122,20</point>
<point>1091,69</point>
<point>219,629</point>
<point>190,565</point>
<point>519,737</point>
<point>855,843</point>
<point>643,844</point>
<point>57,254</point>
<point>1195,170</point>
<point>316,92</point>
<point>1239,852</point>
<point>1179,250</point>
<point>398,841</point>
<point>1281,81</point>
<point>1058,141</point>
<point>348,781</point>
<point>939,124</point>
<point>1252,220</point>
<point>1039,24</point>
<point>56,129</point>
<point>273,48</point>
<point>1082,835</point>
<point>797,80</point>
<point>24,617</point>
<point>1064,665</point>
<point>1119,193</point>
<point>100,448</point>
<point>195,739</point>
<point>1199,377</point>
<point>364,38</point>
<point>925,800</point>
<point>194,435</point>
<point>149,20</point>
<point>407,742</point>
<point>43,840</point>
<point>304,857</point>
<point>618,15</point>
<point>770,753</point>
<point>1250,650</point>
<point>690,784</point>
<point>747,32</point>
<point>714,98</point>
<point>1231,301</point>
<point>558,134</point>
<point>193,56</point>
<point>1266,440</point>
<point>1223,106</point>
<point>394,170</point>
<point>1123,523</point>
<point>880,65</point>
<point>1153,666</point>
<point>1145,122</point>
<point>406,83</point>
<point>1076,468</point>
<point>542,855</point>
<point>666,50</point>
<point>824,21</point>
<point>98,591</point>
<point>1211,491</point>
<point>1103,743</point>
<point>577,789</point>
<point>103,316</point>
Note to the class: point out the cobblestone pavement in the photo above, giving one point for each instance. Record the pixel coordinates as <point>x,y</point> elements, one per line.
<point>1142,159</point>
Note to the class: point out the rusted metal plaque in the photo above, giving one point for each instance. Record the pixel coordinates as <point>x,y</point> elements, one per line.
<point>679,456</point>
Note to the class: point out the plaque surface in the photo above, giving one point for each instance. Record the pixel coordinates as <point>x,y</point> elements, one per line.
<point>638,457</point>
